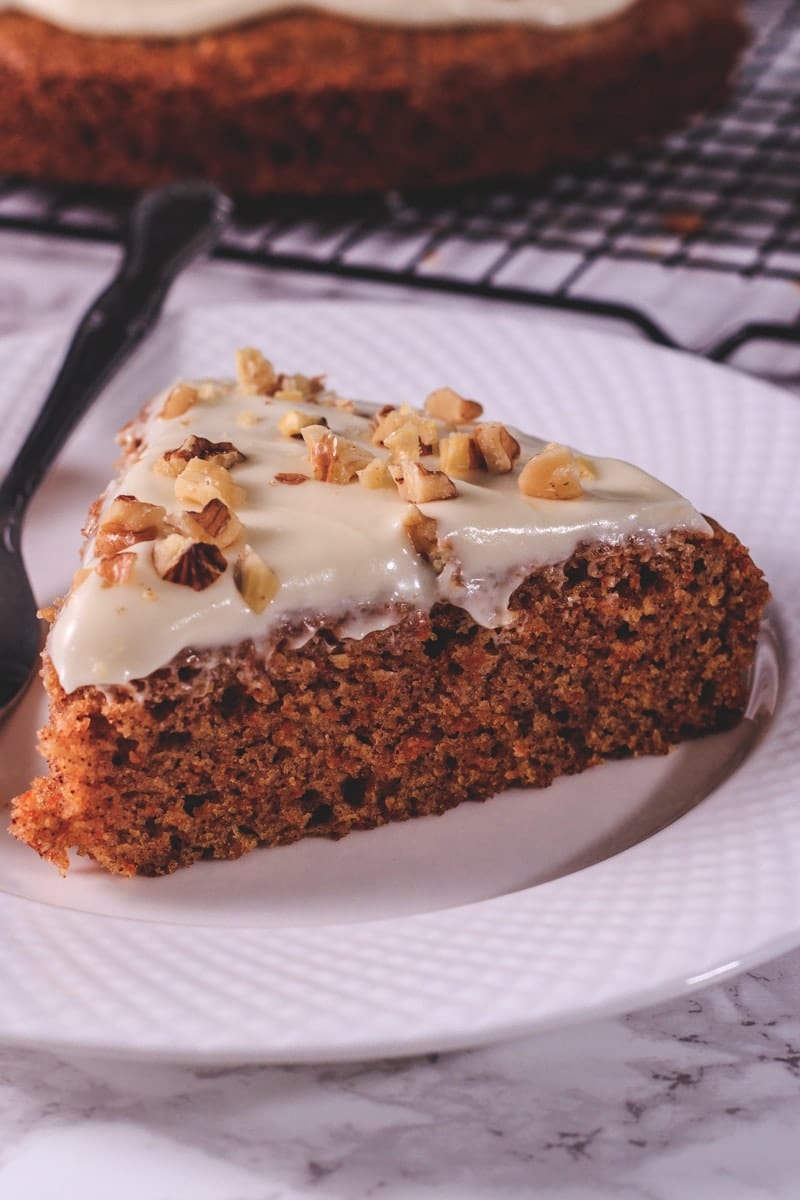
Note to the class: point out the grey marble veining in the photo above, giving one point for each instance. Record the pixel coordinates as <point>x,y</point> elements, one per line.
<point>697,1099</point>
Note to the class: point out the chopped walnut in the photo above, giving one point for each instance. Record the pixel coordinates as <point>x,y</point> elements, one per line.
<point>212,390</point>
<point>80,576</point>
<point>246,418</point>
<point>293,478</point>
<point>126,522</point>
<point>375,474</point>
<point>391,421</point>
<point>257,582</point>
<point>459,454</point>
<point>180,400</point>
<point>333,459</point>
<point>130,439</point>
<point>422,532</point>
<point>214,523</point>
<point>388,419</point>
<point>447,405</point>
<point>116,568</point>
<point>293,423</point>
<point>201,481</point>
<point>499,449</point>
<point>93,518</point>
<point>419,485</point>
<point>403,442</point>
<point>225,454</point>
<point>179,559</point>
<point>255,373</point>
<point>297,387</point>
<point>553,474</point>
<point>424,537</point>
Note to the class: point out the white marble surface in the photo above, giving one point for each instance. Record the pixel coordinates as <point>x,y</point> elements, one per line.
<point>698,1098</point>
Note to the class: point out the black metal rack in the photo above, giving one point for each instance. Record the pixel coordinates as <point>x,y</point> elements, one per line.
<point>721,196</point>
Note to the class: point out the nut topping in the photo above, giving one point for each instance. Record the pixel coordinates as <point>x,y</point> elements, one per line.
<point>419,485</point>
<point>333,459</point>
<point>499,449</point>
<point>126,522</point>
<point>392,420</point>
<point>180,400</point>
<point>459,454</point>
<point>255,373</point>
<point>423,534</point>
<point>256,582</point>
<point>293,422</point>
<point>214,523</point>
<point>553,474</point>
<point>116,568</point>
<point>179,559</point>
<point>224,454</point>
<point>375,474</point>
<point>246,418</point>
<point>447,405</point>
<point>201,481</point>
<point>293,478</point>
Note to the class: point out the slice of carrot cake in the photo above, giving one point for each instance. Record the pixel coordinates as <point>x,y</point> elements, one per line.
<point>299,615</point>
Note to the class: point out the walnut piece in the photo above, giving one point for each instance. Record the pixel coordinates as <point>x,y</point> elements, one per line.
<point>116,568</point>
<point>293,422</point>
<point>126,522</point>
<point>293,478</point>
<point>447,405</point>
<point>423,534</point>
<point>225,454</point>
<point>180,400</point>
<point>257,582</point>
<point>214,523</point>
<point>405,422</point>
<point>334,459</point>
<point>459,454</point>
<point>179,559</point>
<point>201,481</point>
<point>498,448</point>
<point>288,393</point>
<point>80,576</point>
<point>246,418</point>
<point>552,474</point>
<point>419,485</point>
<point>375,474</point>
<point>256,374</point>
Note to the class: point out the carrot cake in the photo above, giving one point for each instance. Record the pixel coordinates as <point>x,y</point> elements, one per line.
<point>267,96</point>
<point>301,615</point>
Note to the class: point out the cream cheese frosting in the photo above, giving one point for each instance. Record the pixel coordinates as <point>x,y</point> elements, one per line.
<point>340,553</point>
<point>185,18</point>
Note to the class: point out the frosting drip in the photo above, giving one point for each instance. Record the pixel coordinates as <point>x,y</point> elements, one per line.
<point>341,553</point>
<point>185,18</point>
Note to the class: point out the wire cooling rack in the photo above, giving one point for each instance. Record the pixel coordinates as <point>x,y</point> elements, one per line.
<point>717,204</point>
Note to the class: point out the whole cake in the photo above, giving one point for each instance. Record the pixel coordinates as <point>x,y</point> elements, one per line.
<point>301,615</point>
<point>348,95</point>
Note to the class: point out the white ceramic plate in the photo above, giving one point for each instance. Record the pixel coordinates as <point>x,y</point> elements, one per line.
<point>633,882</point>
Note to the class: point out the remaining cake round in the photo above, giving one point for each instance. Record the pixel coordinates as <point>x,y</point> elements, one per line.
<point>309,102</point>
<point>297,615</point>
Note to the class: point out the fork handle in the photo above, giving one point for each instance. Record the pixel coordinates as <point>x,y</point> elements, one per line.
<point>168,228</point>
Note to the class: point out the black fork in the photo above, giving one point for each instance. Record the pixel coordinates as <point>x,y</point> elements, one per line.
<point>169,227</point>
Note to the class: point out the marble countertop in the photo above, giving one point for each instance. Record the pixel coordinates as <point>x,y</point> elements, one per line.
<point>697,1098</point>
